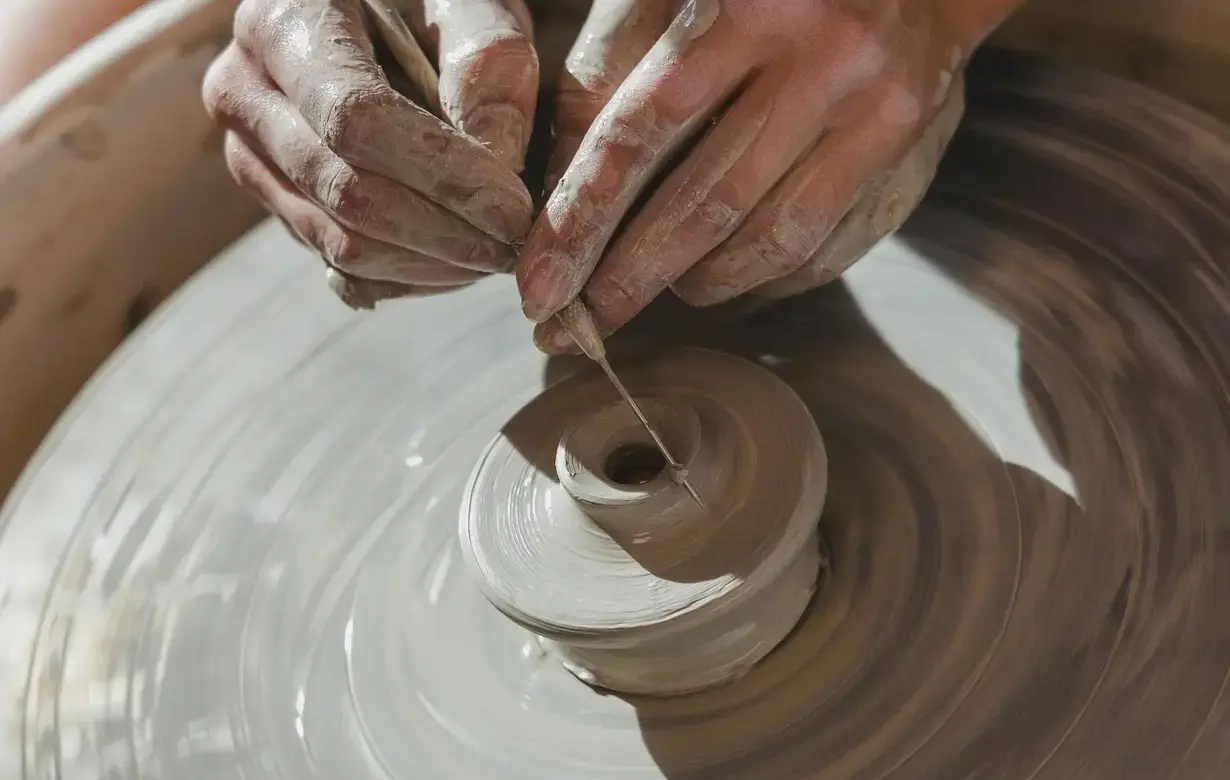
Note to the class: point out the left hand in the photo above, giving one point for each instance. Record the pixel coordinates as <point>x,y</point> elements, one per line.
<point>824,97</point>
<point>394,200</point>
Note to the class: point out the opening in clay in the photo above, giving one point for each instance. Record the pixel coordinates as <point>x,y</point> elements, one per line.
<point>634,464</point>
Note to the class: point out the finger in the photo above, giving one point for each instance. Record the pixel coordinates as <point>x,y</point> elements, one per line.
<point>355,293</point>
<point>702,202</point>
<point>242,99</point>
<point>488,72</point>
<point>340,247</point>
<point>855,233</point>
<point>788,226</point>
<point>365,294</point>
<point>615,36</point>
<point>319,54</point>
<point>676,87</point>
<point>784,225</point>
<point>881,210</point>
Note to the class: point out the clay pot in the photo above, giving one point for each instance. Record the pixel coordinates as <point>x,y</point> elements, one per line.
<point>112,192</point>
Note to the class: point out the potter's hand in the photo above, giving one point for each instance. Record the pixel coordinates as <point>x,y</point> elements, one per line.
<point>395,200</point>
<point>808,106</point>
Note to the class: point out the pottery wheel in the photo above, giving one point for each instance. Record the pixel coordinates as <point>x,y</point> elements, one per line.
<point>237,556</point>
<point>574,527</point>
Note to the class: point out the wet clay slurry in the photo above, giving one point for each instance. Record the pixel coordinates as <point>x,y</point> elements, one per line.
<point>237,557</point>
<point>573,527</point>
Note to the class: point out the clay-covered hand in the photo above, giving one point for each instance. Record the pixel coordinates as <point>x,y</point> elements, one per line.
<point>803,108</point>
<point>395,200</point>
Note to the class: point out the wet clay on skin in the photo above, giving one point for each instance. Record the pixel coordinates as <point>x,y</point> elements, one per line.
<point>237,556</point>
<point>632,585</point>
<point>385,191</point>
<point>615,36</point>
<point>795,139</point>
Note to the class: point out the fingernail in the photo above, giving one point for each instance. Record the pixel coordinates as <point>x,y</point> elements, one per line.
<point>700,294</point>
<point>531,310</point>
<point>507,225</point>
<point>550,338</point>
<point>547,288</point>
<point>502,129</point>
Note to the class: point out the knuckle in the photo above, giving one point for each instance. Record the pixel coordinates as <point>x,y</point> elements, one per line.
<point>238,162</point>
<point>254,18</point>
<point>510,52</point>
<point>900,103</point>
<point>346,114</point>
<point>229,103</point>
<point>221,86</point>
<point>480,255</point>
<point>584,80</point>
<point>341,248</point>
<point>343,193</point>
<point>618,299</point>
<point>784,247</point>
<point>212,89</point>
<point>719,215</point>
<point>339,116</point>
<point>864,52</point>
<point>638,131</point>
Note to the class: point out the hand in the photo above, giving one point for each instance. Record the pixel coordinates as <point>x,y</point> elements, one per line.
<point>396,201</point>
<point>807,107</point>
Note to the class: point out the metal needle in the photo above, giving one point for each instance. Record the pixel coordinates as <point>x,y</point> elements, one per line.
<point>579,323</point>
<point>575,317</point>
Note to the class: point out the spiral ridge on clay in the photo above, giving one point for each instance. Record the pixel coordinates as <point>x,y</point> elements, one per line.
<point>237,556</point>
<point>637,588</point>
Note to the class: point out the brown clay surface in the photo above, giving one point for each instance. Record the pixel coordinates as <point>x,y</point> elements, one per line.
<point>236,556</point>
<point>629,581</point>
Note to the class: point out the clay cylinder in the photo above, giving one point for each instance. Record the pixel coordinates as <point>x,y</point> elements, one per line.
<point>630,583</point>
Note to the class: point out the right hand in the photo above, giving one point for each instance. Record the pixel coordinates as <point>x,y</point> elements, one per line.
<point>396,201</point>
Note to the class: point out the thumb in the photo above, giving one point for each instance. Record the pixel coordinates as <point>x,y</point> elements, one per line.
<point>488,71</point>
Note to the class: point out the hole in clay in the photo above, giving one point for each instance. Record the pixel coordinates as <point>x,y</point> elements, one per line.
<point>634,464</point>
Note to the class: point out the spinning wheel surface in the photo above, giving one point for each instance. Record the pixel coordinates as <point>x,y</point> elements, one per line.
<point>236,557</point>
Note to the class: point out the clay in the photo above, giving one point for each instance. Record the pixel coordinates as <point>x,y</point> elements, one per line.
<point>137,83</point>
<point>635,587</point>
<point>236,556</point>
<point>488,71</point>
<point>36,34</point>
<point>111,182</point>
<point>880,209</point>
<point>752,197</point>
<point>615,36</point>
<point>652,114</point>
<point>694,19</point>
<point>383,189</point>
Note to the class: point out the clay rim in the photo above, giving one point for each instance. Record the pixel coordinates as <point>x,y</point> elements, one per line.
<point>795,534</point>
